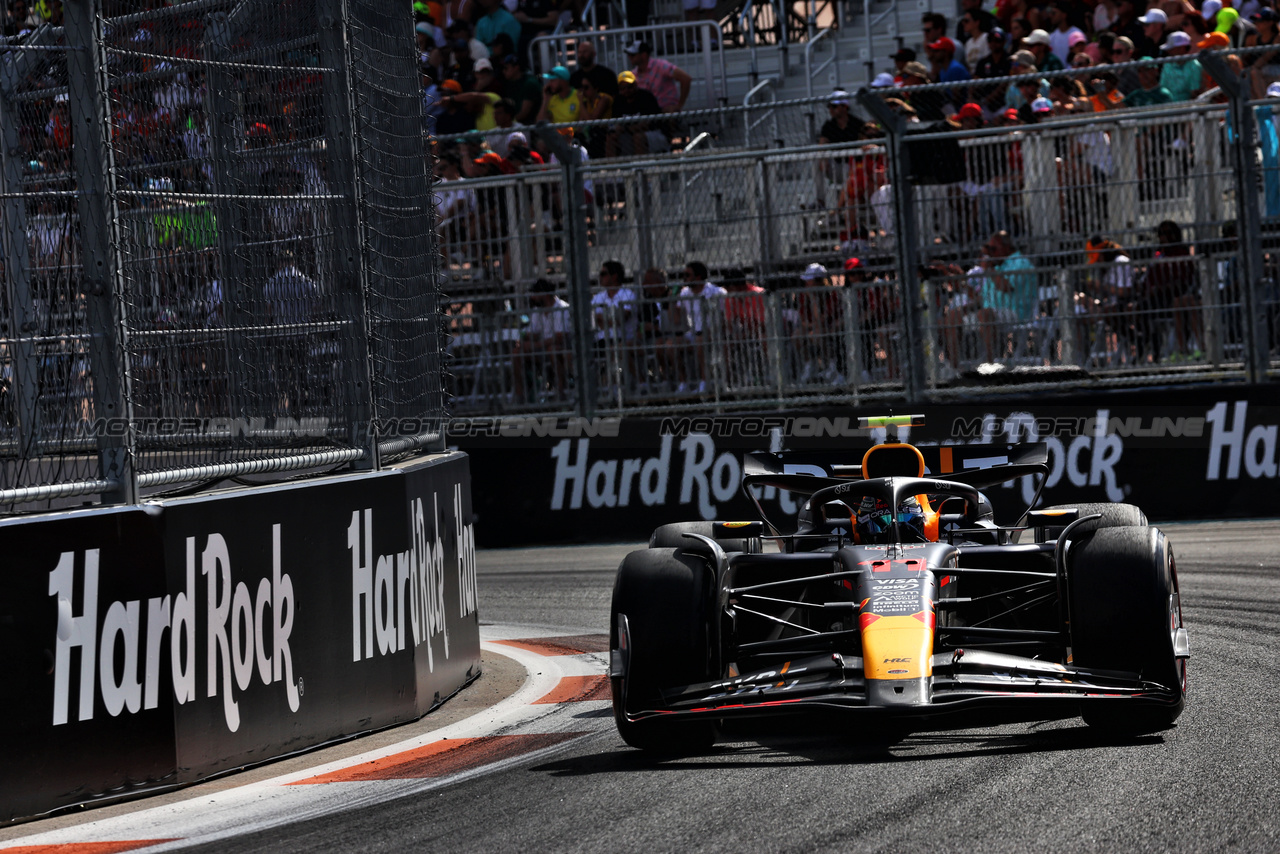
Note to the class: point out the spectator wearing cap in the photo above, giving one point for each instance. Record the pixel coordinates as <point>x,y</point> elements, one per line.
<point>1264,33</point>
<point>1129,25</point>
<point>820,317</point>
<point>1061,31</point>
<point>1023,92</point>
<point>498,20</point>
<point>587,67</point>
<point>1264,68</point>
<point>928,106</point>
<point>976,47</point>
<point>968,117</point>
<point>669,84</point>
<point>487,80</point>
<point>561,103</point>
<point>636,137</point>
<point>522,88</point>
<point>1154,23</point>
<point>1122,52</point>
<point>463,44</point>
<point>1183,80</point>
<point>1037,41</point>
<point>946,68</point>
<point>1229,22</point>
<point>842,126</point>
<point>883,80</point>
<point>479,104</point>
<point>1038,110</point>
<point>455,119</point>
<point>900,59</point>
<point>1149,92</point>
<point>985,20</point>
<point>997,63</point>
<point>1007,294</point>
<point>519,154</point>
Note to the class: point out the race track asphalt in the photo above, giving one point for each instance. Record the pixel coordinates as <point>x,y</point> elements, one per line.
<point>1210,784</point>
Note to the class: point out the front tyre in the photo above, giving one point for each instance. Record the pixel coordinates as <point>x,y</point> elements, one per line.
<point>667,598</point>
<point>1126,615</point>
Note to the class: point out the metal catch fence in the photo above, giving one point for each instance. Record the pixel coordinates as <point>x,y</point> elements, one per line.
<point>1110,247</point>
<point>216,262</point>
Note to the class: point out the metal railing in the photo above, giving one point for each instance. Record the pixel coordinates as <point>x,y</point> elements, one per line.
<point>810,72</point>
<point>1123,176</point>
<point>692,46</point>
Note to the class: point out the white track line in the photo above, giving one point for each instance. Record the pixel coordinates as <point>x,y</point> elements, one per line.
<point>272,803</point>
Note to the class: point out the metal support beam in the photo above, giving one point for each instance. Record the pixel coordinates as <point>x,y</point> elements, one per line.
<point>100,241</point>
<point>1249,221</point>
<point>23,319</point>
<point>577,267</point>
<point>906,240</point>
<point>226,132</point>
<point>350,284</point>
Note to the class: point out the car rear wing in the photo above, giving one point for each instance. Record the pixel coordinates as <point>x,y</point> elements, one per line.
<point>981,466</point>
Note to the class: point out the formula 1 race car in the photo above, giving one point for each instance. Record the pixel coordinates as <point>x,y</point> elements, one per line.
<point>895,595</point>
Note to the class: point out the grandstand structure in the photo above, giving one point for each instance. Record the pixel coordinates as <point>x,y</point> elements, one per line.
<point>746,191</point>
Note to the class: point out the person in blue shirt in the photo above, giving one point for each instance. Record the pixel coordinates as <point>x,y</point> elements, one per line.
<point>1008,294</point>
<point>946,68</point>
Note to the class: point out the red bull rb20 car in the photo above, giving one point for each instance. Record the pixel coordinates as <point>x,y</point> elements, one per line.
<point>894,595</point>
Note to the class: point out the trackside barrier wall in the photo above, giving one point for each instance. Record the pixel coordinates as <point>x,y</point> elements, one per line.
<point>150,647</point>
<point>1198,453</point>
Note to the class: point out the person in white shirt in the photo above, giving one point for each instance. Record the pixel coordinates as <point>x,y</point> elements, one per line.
<point>614,316</point>
<point>695,306</point>
<point>543,348</point>
<point>1060,34</point>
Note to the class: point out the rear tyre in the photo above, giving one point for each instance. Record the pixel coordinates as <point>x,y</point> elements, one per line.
<point>666,596</point>
<point>1113,516</point>
<point>1125,612</point>
<point>673,537</point>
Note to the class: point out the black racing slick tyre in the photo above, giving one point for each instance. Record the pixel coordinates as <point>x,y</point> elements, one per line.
<point>673,537</point>
<point>1113,516</point>
<point>1126,615</point>
<point>666,598</point>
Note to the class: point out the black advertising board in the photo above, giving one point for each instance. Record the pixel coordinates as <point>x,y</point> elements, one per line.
<point>443,533</point>
<point>84,668</point>
<point>156,646</point>
<point>1203,452</point>
<point>296,624</point>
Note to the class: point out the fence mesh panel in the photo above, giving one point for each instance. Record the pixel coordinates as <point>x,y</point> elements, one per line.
<point>249,184</point>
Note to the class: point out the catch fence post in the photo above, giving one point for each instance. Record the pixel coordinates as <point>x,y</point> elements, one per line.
<point>906,243</point>
<point>105,306</point>
<point>577,270</point>
<point>349,271</point>
<point>1248,220</point>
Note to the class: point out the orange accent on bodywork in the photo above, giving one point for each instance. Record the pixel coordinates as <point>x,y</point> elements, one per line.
<point>898,644</point>
<point>944,457</point>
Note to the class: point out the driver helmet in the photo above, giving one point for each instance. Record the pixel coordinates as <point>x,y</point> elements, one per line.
<point>874,521</point>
